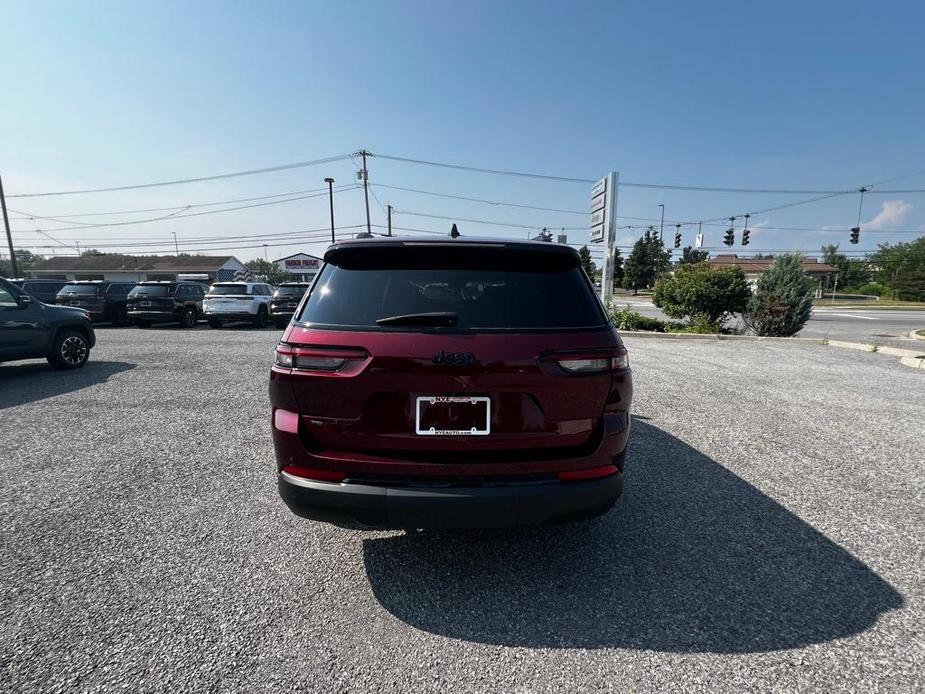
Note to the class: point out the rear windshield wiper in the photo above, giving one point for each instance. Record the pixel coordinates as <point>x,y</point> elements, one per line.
<point>438,318</point>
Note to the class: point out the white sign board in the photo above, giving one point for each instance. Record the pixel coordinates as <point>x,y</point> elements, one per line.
<point>603,230</point>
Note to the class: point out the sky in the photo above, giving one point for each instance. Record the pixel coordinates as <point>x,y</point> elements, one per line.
<point>797,96</point>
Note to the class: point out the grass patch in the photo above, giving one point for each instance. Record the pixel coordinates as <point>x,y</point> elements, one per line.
<point>882,304</point>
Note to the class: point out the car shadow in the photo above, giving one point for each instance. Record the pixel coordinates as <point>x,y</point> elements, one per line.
<point>21,383</point>
<point>692,559</point>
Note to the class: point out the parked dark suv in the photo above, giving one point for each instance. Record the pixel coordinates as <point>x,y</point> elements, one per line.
<point>30,329</point>
<point>103,300</point>
<point>450,383</point>
<point>43,290</point>
<point>165,302</point>
<point>285,301</point>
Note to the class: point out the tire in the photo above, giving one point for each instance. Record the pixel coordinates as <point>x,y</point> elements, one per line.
<point>121,318</point>
<point>188,317</point>
<point>280,324</point>
<point>143,323</point>
<point>262,315</point>
<point>215,323</point>
<point>70,350</point>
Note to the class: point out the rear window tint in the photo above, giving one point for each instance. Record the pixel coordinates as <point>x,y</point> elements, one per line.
<point>81,289</point>
<point>488,299</point>
<point>153,290</point>
<point>290,290</point>
<point>228,290</point>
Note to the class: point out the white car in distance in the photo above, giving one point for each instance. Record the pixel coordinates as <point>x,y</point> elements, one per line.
<point>238,301</point>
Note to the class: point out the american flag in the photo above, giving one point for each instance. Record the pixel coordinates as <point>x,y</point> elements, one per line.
<point>226,275</point>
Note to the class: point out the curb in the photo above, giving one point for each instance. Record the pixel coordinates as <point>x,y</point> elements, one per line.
<point>718,337</point>
<point>914,334</point>
<point>908,357</point>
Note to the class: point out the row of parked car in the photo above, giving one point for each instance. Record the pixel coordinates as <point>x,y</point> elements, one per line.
<point>185,302</point>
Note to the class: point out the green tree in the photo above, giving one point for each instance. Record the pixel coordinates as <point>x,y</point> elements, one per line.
<point>692,256</point>
<point>783,298</point>
<point>851,273</point>
<point>645,261</point>
<point>901,267</point>
<point>702,293</point>
<point>271,272</point>
<point>617,268</point>
<point>586,263</point>
<point>25,261</point>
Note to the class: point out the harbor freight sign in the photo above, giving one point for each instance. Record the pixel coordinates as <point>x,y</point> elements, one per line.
<point>603,229</point>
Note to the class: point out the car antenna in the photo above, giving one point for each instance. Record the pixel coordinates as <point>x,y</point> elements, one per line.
<point>454,232</point>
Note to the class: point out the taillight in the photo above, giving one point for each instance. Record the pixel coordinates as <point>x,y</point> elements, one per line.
<point>590,362</point>
<point>316,358</point>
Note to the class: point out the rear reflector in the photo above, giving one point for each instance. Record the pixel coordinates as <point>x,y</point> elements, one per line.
<point>287,421</point>
<point>315,473</point>
<point>587,473</point>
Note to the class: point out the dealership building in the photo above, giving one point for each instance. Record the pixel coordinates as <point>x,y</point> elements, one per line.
<point>134,268</point>
<point>302,266</point>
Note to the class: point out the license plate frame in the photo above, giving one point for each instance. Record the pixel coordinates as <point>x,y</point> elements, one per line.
<point>449,400</point>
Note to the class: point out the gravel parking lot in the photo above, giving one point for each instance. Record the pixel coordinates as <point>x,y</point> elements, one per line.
<point>770,538</point>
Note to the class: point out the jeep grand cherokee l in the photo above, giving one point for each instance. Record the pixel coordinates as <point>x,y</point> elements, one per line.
<point>102,299</point>
<point>30,329</point>
<point>450,383</point>
<point>165,302</point>
<point>285,301</point>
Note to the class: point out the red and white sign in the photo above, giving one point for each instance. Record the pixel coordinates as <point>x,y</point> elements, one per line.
<point>300,263</point>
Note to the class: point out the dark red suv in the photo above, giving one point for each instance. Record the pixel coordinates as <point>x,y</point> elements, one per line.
<point>450,383</point>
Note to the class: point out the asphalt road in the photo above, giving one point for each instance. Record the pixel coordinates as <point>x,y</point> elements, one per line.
<point>771,538</point>
<point>884,326</point>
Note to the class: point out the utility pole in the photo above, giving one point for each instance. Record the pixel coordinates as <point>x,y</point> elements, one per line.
<point>330,182</point>
<point>389,207</point>
<point>365,173</point>
<point>9,237</point>
<point>176,247</point>
<point>658,257</point>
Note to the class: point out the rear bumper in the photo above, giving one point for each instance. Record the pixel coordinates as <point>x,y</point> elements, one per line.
<point>153,315</point>
<point>367,506</point>
<point>230,315</point>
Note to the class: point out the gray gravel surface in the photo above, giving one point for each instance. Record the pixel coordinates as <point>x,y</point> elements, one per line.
<point>770,538</point>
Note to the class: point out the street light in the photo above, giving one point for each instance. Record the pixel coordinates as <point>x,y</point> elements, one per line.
<point>330,182</point>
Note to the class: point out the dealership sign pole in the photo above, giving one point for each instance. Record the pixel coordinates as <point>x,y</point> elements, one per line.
<point>604,228</point>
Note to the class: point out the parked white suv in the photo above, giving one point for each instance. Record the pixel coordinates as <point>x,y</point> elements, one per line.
<point>238,301</point>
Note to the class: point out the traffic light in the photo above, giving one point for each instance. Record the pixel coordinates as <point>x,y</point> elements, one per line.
<point>745,235</point>
<point>677,236</point>
<point>855,234</point>
<point>730,237</point>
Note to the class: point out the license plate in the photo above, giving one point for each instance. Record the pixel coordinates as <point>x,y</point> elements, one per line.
<point>144,303</point>
<point>452,415</point>
<point>75,303</point>
<point>291,305</point>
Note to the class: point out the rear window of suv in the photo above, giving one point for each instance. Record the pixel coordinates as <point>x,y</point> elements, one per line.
<point>291,290</point>
<point>228,290</point>
<point>81,289</point>
<point>153,290</point>
<point>518,293</point>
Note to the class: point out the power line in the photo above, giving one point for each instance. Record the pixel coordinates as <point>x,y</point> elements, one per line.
<point>488,202</point>
<point>177,215</point>
<point>30,215</point>
<point>657,186</point>
<point>486,221</point>
<point>200,179</point>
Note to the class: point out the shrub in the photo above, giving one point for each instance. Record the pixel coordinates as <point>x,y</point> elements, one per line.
<point>628,319</point>
<point>872,289</point>
<point>783,298</point>
<point>702,293</point>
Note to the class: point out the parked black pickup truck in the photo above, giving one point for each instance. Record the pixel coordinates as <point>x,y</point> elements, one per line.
<point>30,329</point>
